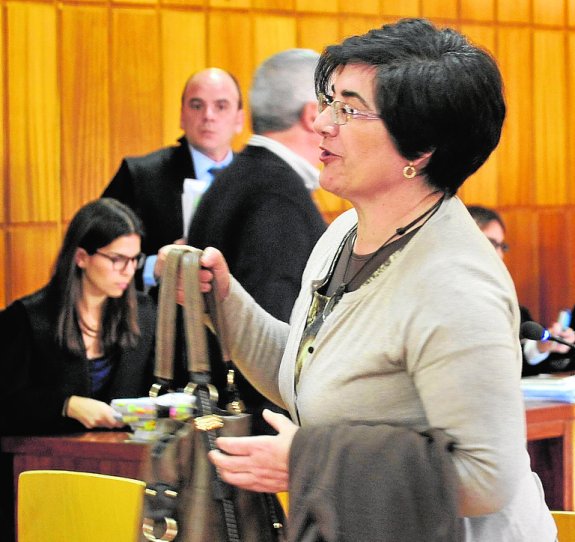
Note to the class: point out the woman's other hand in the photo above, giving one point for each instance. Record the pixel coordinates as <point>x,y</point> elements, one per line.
<point>257,463</point>
<point>92,413</point>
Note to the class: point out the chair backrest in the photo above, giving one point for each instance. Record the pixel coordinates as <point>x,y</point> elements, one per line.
<point>54,506</point>
<point>565,521</point>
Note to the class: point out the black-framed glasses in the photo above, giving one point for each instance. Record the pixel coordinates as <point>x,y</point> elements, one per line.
<point>341,112</point>
<point>504,247</point>
<point>120,262</point>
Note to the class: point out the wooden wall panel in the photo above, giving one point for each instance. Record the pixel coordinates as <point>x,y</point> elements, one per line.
<point>111,74</point>
<point>440,9</point>
<point>549,12</point>
<point>550,130</point>
<point>135,90</point>
<point>317,31</point>
<point>32,253</point>
<point>3,130</point>
<point>516,179</point>
<point>183,46</point>
<point>475,10</point>
<point>274,5</point>
<point>354,25</point>
<point>571,114</point>
<point>85,106</point>
<point>272,34</point>
<point>482,186</point>
<point>230,46</point>
<point>401,8</point>
<point>552,255</point>
<point>513,11</point>
<point>521,260</point>
<point>363,7</point>
<point>33,113</point>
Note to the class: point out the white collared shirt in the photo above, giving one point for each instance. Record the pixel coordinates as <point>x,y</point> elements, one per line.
<point>308,173</point>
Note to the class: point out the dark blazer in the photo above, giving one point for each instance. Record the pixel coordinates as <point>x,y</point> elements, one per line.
<point>261,216</point>
<point>39,375</point>
<point>152,186</point>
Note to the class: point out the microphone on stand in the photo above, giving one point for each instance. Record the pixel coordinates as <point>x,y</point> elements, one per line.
<point>536,332</point>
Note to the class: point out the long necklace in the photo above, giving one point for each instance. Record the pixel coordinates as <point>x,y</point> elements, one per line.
<point>397,233</point>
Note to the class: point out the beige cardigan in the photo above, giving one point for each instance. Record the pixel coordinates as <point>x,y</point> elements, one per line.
<point>432,342</point>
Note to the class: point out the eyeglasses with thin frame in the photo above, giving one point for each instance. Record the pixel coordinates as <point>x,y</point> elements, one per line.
<point>341,112</point>
<point>504,247</point>
<point>120,262</point>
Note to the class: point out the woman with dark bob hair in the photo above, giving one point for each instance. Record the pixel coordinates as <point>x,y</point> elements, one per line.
<point>400,365</point>
<point>85,338</point>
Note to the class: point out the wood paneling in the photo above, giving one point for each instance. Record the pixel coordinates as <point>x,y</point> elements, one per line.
<point>366,7</point>
<point>440,9</point>
<point>183,46</point>
<point>135,104</point>
<point>550,116</point>
<point>31,256</point>
<point>230,47</point>
<point>84,83</point>
<point>3,164</point>
<point>482,185</point>
<point>523,236</point>
<point>33,113</point>
<point>317,31</point>
<point>516,181</point>
<point>549,12</point>
<point>552,255</point>
<point>85,106</point>
<point>272,34</point>
<point>478,10</point>
<point>513,11</point>
<point>400,8</point>
<point>571,114</point>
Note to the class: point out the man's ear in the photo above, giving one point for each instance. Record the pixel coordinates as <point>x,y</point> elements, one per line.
<point>308,115</point>
<point>81,257</point>
<point>240,121</point>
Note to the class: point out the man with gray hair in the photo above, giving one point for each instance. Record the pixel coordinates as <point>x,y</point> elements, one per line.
<point>259,211</point>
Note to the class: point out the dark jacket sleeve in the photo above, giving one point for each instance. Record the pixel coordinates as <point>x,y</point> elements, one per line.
<point>384,483</point>
<point>31,401</point>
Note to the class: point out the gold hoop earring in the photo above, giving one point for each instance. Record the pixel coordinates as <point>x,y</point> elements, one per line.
<point>409,171</point>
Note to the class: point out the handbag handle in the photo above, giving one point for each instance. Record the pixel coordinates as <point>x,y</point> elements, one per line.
<point>184,261</point>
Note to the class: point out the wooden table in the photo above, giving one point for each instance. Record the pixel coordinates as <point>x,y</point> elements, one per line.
<point>550,432</point>
<point>103,452</point>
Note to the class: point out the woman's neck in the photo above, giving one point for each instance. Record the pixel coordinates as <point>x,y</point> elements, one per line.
<point>381,220</point>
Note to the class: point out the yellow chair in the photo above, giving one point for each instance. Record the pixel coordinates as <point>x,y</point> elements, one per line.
<point>55,506</point>
<point>565,522</point>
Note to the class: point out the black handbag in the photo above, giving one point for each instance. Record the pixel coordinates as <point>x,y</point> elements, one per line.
<point>186,500</point>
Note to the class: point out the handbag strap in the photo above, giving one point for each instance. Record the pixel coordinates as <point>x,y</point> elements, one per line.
<point>184,258</point>
<point>187,260</point>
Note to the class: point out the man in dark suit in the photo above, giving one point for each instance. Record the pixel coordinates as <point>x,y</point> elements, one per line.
<point>259,211</point>
<point>152,185</point>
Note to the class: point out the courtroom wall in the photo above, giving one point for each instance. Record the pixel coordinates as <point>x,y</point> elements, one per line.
<point>85,82</point>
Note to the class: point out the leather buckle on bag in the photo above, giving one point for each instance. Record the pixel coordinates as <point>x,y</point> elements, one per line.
<point>211,422</point>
